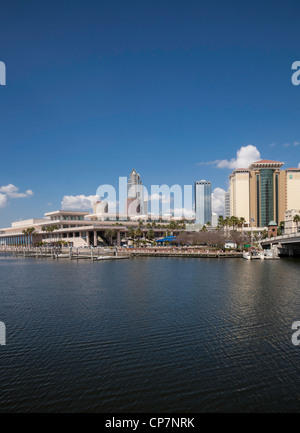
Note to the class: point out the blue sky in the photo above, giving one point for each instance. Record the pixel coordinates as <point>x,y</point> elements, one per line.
<point>96,88</point>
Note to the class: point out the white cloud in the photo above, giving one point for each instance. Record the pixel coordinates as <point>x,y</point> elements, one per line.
<point>3,200</point>
<point>299,165</point>
<point>218,201</point>
<point>244,158</point>
<point>78,202</point>
<point>11,191</point>
<point>296,144</point>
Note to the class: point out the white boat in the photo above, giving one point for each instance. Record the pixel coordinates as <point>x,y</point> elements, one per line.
<point>270,255</point>
<point>258,255</point>
<point>254,255</point>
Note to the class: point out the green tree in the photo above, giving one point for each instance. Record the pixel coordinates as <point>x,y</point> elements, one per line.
<point>173,226</point>
<point>110,234</point>
<point>242,222</point>
<point>150,235</point>
<point>30,232</point>
<point>221,221</point>
<point>138,234</point>
<point>234,221</point>
<point>297,221</point>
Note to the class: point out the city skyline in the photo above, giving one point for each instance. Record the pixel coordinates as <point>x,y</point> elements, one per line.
<point>245,158</point>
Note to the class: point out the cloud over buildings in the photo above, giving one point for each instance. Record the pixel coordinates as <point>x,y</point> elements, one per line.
<point>78,202</point>
<point>245,156</point>
<point>218,201</point>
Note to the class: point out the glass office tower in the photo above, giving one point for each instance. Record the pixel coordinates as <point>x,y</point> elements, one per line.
<point>203,202</point>
<point>266,197</point>
<point>267,191</point>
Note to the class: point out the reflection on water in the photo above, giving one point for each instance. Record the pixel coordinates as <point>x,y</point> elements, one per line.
<point>149,335</point>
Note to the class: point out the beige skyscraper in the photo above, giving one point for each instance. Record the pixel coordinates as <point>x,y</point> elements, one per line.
<point>263,192</point>
<point>239,190</point>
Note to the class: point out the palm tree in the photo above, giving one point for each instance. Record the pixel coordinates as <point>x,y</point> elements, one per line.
<point>25,233</point>
<point>51,229</point>
<point>150,235</point>
<point>242,222</point>
<point>138,233</point>
<point>29,233</point>
<point>221,221</point>
<point>131,233</point>
<point>234,221</point>
<point>297,220</point>
<point>110,234</point>
<point>172,226</point>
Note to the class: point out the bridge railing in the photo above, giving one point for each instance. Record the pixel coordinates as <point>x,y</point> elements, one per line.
<point>278,238</point>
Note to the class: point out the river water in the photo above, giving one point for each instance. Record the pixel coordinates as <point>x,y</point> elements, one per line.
<point>149,335</point>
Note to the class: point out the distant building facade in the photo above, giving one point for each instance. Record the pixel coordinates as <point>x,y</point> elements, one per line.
<point>203,202</point>
<point>227,204</point>
<point>291,227</point>
<point>214,220</point>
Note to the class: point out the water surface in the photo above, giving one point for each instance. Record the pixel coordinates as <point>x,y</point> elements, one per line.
<point>149,335</point>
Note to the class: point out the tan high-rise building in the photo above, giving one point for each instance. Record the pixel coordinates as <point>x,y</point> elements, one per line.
<point>263,192</point>
<point>239,190</point>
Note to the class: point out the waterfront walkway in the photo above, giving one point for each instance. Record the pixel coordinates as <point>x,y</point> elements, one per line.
<point>97,254</point>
